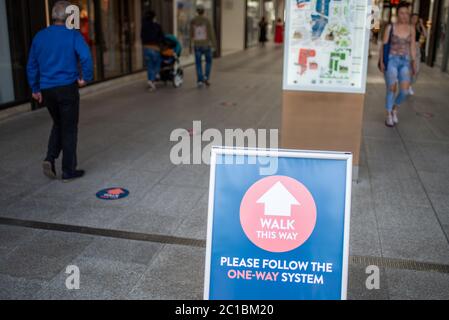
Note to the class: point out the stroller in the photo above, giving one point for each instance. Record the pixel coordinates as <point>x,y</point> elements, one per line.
<point>170,67</point>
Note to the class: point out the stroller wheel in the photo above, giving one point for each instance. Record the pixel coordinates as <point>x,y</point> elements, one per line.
<point>178,80</point>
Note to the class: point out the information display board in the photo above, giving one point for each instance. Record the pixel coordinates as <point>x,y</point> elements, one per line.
<point>326,45</point>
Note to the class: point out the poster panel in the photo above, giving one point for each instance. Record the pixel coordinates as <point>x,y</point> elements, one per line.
<point>326,45</point>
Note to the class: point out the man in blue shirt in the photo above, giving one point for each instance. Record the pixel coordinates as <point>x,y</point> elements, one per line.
<point>56,55</point>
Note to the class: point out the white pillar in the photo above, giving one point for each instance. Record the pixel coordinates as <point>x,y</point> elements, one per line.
<point>416,6</point>
<point>232,26</point>
<point>432,4</point>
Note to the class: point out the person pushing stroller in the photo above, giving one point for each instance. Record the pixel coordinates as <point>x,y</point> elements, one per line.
<point>152,38</point>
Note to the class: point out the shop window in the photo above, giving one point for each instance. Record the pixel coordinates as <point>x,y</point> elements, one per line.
<point>87,29</point>
<point>253,16</point>
<point>6,76</point>
<point>442,30</point>
<point>270,15</point>
<point>16,33</point>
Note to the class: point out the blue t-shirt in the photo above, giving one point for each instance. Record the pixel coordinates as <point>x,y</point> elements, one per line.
<point>56,55</point>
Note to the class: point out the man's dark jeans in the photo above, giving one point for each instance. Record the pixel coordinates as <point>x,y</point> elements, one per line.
<point>63,105</point>
<point>199,53</point>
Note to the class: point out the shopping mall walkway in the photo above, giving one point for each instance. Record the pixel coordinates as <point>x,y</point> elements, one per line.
<point>151,245</point>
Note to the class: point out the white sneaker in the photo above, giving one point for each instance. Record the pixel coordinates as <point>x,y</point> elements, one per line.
<point>411,92</point>
<point>151,86</point>
<point>200,84</point>
<point>389,121</point>
<point>395,117</point>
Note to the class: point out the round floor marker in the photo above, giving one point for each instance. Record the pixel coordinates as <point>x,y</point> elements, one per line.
<point>112,194</point>
<point>229,104</point>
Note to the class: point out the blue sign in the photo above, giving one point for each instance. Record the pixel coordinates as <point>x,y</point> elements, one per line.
<point>282,235</point>
<point>112,194</point>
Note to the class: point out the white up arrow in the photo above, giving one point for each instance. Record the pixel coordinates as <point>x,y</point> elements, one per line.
<point>278,201</point>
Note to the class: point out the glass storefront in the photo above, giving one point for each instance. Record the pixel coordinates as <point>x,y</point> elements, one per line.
<point>114,36</point>
<point>6,79</point>
<point>270,15</point>
<point>253,16</point>
<point>442,30</point>
<point>113,61</point>
<point>164,12</point>
<point>134,21</point>
<point>255,10</point>
<point>87,29</point>
<point>111,28</point>
<point>15,41</point>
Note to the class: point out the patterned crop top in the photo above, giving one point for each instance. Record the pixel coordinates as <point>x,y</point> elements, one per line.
<point>400,46</point>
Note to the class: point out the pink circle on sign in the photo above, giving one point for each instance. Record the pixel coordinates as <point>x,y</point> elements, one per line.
<point>278,214</point>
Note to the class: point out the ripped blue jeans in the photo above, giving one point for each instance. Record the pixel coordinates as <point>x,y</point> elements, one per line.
<point>398,71</point>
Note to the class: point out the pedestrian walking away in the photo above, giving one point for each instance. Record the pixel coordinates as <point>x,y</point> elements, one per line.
<point>279,32</point>
<point>263,31</point>
<point>398,62</point>
<point>54,77</point>
<point>152,38</point>
<point>420,39</point>
<point>204,42</point>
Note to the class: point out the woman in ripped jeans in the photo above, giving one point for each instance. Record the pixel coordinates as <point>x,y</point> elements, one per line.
<point>401,62</point>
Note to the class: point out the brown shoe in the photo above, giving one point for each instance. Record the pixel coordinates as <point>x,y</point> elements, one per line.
<point>49,169</point>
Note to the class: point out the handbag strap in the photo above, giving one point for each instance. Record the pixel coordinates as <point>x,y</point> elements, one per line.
<point>391,33</point>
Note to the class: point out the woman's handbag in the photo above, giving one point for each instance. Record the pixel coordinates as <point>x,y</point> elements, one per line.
<point>386,50</point>
<point>422,40</point>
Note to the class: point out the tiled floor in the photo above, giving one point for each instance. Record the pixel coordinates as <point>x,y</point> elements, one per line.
<point>400,205</point>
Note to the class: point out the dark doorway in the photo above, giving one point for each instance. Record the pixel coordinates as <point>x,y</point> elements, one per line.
<point>25,19</point>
